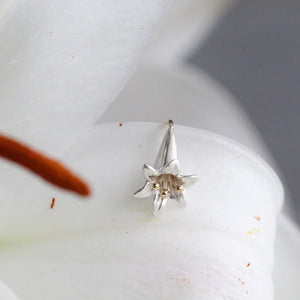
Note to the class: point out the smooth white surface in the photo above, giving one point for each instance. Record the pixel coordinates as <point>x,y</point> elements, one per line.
<point>63,62</point>
<point>85,249</point>
<point>6,293</point>
<point>189,97</point>
<point>186,25</point>
<point>286,272</point>
<point>192,98</point>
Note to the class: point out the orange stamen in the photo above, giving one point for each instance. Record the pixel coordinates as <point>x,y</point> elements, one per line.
<point>50,170</point>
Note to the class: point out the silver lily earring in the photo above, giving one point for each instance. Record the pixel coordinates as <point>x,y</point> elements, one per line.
<point>163,180</point>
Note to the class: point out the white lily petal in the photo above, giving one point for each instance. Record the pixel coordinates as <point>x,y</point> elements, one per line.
<point>149,172</point>
<point>6,293</point>
<point>171,168</point>
<point>189,180</point>
<point>63,62</point>
<point>118,248</point>
<point>145,191</point>
<point>159,204</point>
<point>194,20</point>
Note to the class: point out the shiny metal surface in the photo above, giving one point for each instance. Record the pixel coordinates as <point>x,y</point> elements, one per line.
<point>164,180</point>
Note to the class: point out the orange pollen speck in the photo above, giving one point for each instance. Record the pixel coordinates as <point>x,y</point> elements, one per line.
<point>248,265</point>
<point>120,124</point>
<point>52,203</point>
<point>48,169</point>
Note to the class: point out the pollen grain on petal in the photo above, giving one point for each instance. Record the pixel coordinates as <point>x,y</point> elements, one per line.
<point>46,168</point>
<point>52,203</point>
<point>257,218</point>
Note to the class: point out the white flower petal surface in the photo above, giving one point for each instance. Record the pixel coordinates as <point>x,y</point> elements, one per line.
<point>111,247</point>
<point>6,293</point>
<point>63,62</point>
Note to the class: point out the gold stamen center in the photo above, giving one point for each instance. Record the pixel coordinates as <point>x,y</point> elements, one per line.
<point>167,183</point>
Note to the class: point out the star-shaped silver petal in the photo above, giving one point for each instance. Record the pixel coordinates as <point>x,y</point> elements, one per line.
<point>164,180</point>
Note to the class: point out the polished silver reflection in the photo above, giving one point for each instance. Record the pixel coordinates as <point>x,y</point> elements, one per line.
<point>163,180</point>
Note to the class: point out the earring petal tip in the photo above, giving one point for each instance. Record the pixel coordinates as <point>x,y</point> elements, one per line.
<point>144,192</point>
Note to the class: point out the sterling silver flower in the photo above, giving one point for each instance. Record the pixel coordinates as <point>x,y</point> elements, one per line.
<point>164,180</point>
